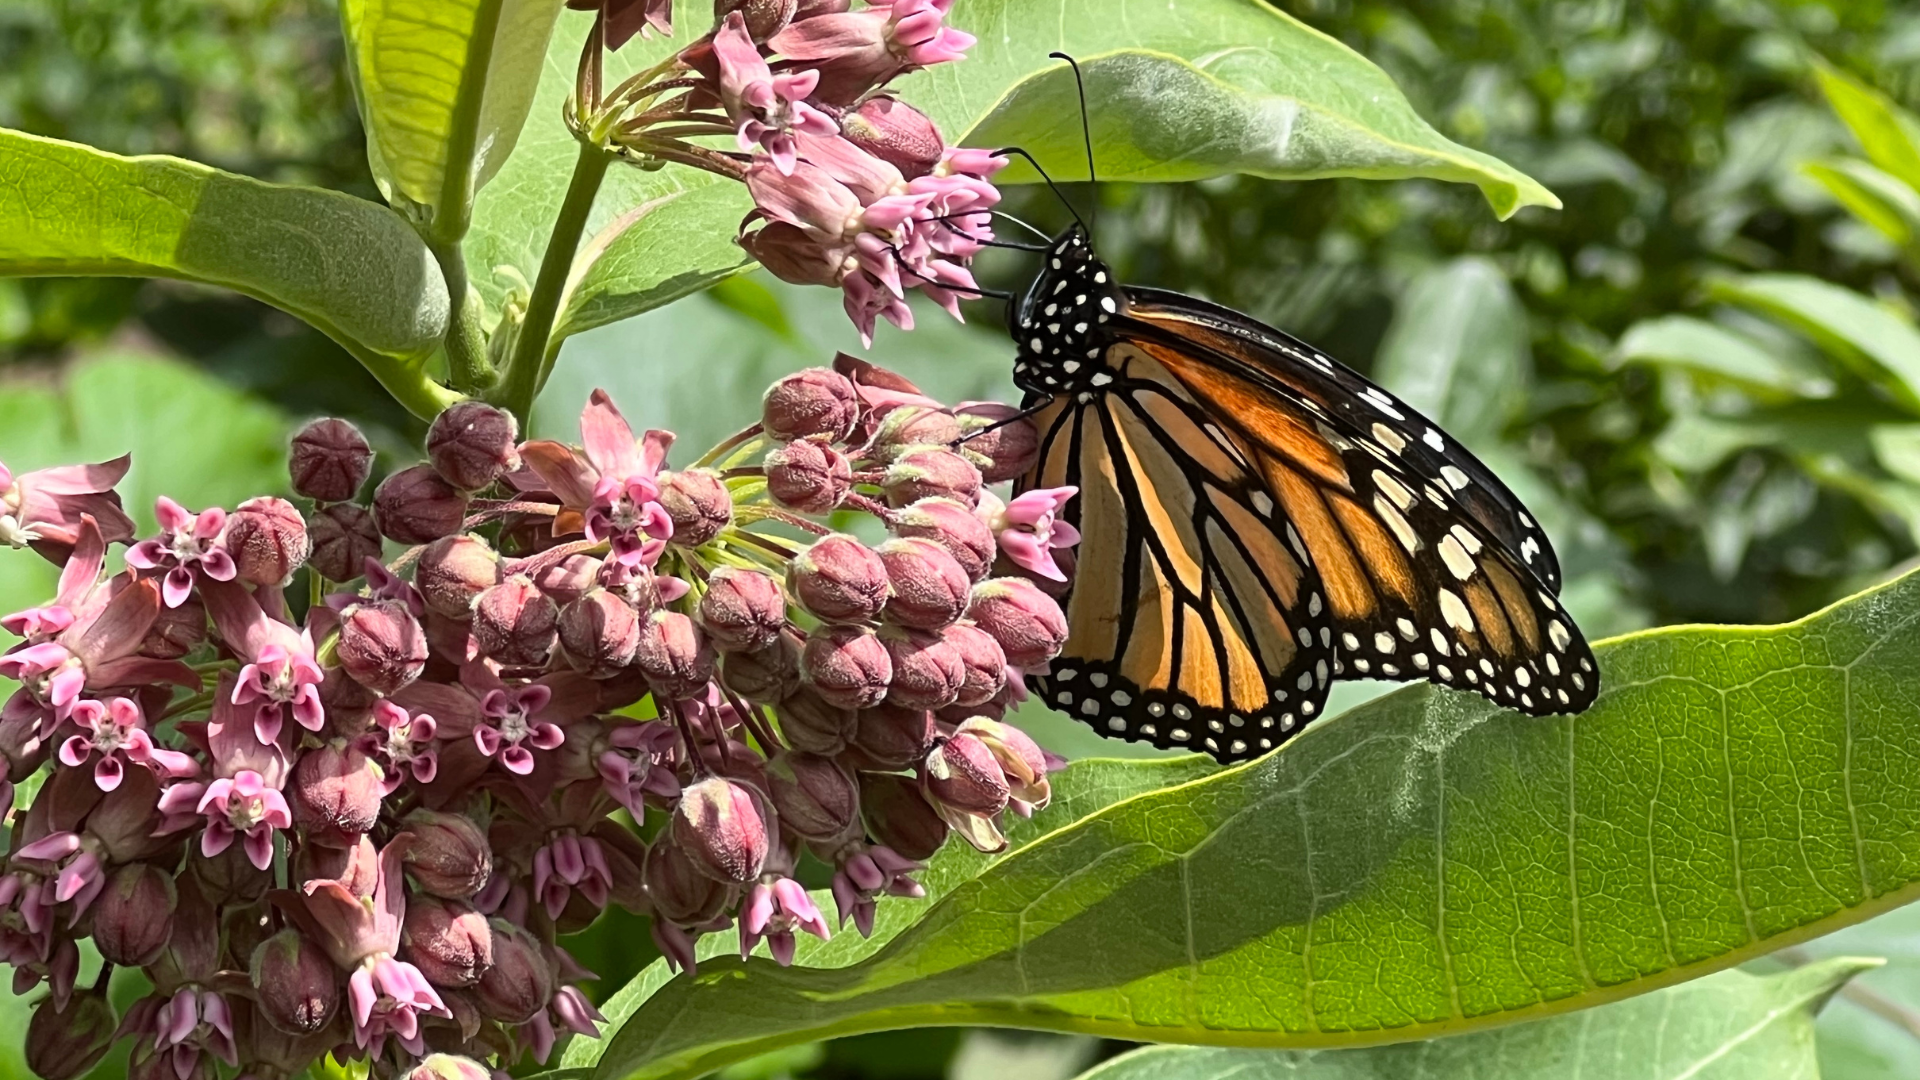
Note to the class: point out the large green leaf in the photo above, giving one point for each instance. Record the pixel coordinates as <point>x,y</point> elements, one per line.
<point>1872,1031</point>
<point>444,87</point>
<point>1871,194</point>
<point>348,266</point>
<point>1881,344</point>
<point>1730,1026</point>
<point>1457,349</point>
<point>1889,134</point>
<point>1425,864</point>
<point>1719,353</point>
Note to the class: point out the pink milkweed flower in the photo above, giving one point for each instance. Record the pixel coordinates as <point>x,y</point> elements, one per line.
<point>75,867</point>
<point>775,909</point>
<point>856,51</point>
<point>767,107</point>
<point>281,674</point>
<point>573,1011</point>
<point>189,545</point>
<point>506,722</point>
<point>639,762</point>
<point>612,481</point>
<point>115,731</point>
<point>510,731</point>
<point>866,872</point>
<point>1029,529</point>
<point>43,509</point>
<point>402,743</point>
<point>569,862</point>
<point>184,1026</point>
<point>242,806</point>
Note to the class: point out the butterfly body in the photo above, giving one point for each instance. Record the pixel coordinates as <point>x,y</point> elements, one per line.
<point>1257,520</point>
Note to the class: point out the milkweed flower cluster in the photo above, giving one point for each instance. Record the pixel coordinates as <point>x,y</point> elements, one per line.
<point>339,777</point>
<point>852,187</point>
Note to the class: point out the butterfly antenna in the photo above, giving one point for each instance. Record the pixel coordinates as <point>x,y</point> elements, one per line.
<point>1086,126</point>
<point>1035,231</point>
<point>1015,151</point>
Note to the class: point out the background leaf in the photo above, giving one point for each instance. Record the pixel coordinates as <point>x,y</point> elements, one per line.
<point>1883,345</point>
<point>1721,353</point>
<point>1457,349</point>
<point>1730,1026</point>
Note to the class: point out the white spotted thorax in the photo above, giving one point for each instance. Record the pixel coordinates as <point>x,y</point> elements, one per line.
<point>1058,324</point>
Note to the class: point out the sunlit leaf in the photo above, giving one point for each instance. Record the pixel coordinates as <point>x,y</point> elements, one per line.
<point>1718,353</point>
<point>1874,196</point>
<point>1457,349</point>
<point>1881,344</point>
<point>1889,134</point>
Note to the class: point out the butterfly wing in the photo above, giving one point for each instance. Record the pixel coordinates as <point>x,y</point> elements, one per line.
<point>1431,567</point>
<point>1196,620</point>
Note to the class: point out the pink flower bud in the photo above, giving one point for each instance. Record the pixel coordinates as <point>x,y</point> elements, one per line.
<point>896,133</point>
<point>64,1043</point>
<point>808,722</point>
<point>814,403</point>
<point>763,18</point>
<point>295,984</point>
<point>1006,452</point>
<point>599,633</point>
<point>472,444</point>
<point>1028,624</point>
<point>764,675</point>
<point>447,940</point>
<point>1019,757</point>
<point>743,610</point>
<point>449,1067</point>
<point>911,427</point>
<point>953,525</point>
<point>930,472</point>
<point>698,502</point>
<point>814,796</point>
<point>569,579</point>
<point>846,665</point>
<point>356,868</point>
<point>722,826</point>
<point>808,476</point>
<point>453,570</point>
<point>965,784</point>
<point>893,737</point>
<point>985,662</point>
<point>336,794</point>
<point>520,982</point>
<point>268,540</point>
<point>133,915</point>
<point>344,537</point>
<point>449,856</point>
<point>679,891</point>
<point>515,624</point>
<point>930,589</point>
<point>176,631</point>
<point>839,579</point>
<point>329,460</point>
<point>927,672</point>
<point>416,506</point>
<point>674,654</point>
<point>898,816</point>
<point>381,645</point>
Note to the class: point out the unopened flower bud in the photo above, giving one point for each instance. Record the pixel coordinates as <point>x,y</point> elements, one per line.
<point>329,460</point>
<point>449,1067</point>
<point>1028,624</point>
<point>1020,758</point>
<point>336,794</point>
<point>133,915</point>
<point>817,403</point>
<point>176,631</point>
<point>65,1043</point>
<point>808,476</point>
<point>846,665</point>
<point>927,672</point>
<point>381,645</point>
<point>962,774</point>
<point>985,662</point>
<point>898,816</point>
<point>447,940</point>
<point>698,502</point>
<point>764,675</point>
<point>520,982</point>
<point>892,736</point>
<point>674,654</point>
<point>813,795</point>
<point>679,891</point>
<point>344,537</point>
<point>449,856</point>
<point>839,579</point>
<point>569,579</point>
<point>763,18</point>
<point>809,722</point>
<point>416,506</point>
<point>743,610</point>
<point>896,133</point>
<point>268,540</point>
<point>953,525</point>
<point>930,472</point>
<point>930,588</point>
<point>913,426</point>
<point>355,867</point>
<point>723,828</point>
<point>295,984</point>
<point>452,571</point>
<point>472,444</point>
<point>599,633</point>
<point>1007,451</point>
<point>514,623</point>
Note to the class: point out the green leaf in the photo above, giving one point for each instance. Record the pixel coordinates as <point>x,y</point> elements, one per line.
<point>1870,194</point>
<point>1889,134</point>
<point>1862,1033</point>
<point>1190,90</point>
<point>348,266</point>
<point>1880,344</point>
<point>1720,354</point>
<point>1425,864</point>
<point>1458,349</point>
<point>444,87</point>
<point>1730,1026</point>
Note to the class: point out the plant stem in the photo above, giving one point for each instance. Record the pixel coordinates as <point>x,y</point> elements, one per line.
<point>526,369</point>
<point>467,365</point>
<point>406,380</point>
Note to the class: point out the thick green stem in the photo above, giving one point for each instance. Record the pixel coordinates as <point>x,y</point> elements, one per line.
<point>526,369</point>
<point>407,382</point>
<point>467,365</point>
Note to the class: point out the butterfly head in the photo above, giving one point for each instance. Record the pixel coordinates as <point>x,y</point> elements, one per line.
<point>1059,326</point>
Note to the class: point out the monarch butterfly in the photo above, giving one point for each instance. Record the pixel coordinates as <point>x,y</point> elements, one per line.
<point>1257,519</point>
